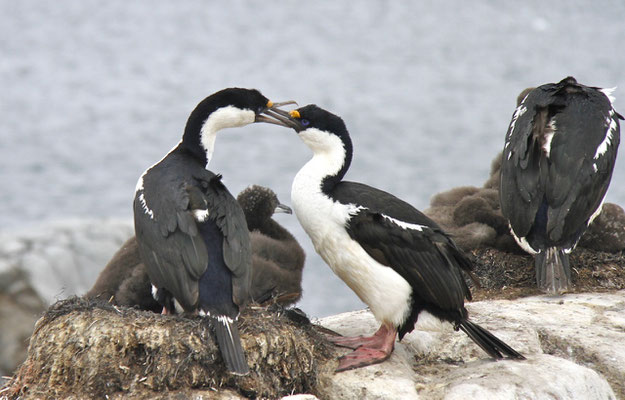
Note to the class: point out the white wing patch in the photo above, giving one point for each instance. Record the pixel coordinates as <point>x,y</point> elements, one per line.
<point>405,225</point>
<point>520,110</point>
<point>549,136</point>
<point>200,215</point>
<point>609,93</point>
<point>609,135</point>
<point>145,207</point>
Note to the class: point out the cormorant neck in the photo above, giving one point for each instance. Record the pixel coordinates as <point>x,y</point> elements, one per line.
<point>204,123</point>
<point>332,156</point>
<point>329,181</point>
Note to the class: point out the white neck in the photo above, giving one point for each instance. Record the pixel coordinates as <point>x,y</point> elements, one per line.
<point>311,206</point>
<point>222,118</point>
<point>328,155</point>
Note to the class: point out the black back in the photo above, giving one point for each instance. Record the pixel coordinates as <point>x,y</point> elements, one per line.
<point>549,199</point>
<point>177,250</point>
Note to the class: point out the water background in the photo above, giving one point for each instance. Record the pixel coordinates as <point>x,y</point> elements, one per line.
<point>92,93</point>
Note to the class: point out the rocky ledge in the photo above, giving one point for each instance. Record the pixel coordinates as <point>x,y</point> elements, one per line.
<point>86,349</point>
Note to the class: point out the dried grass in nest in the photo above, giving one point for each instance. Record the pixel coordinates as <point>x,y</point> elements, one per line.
<point>89,349</point>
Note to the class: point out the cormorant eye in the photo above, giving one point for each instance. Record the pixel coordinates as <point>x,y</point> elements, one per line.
<point>304,122</point>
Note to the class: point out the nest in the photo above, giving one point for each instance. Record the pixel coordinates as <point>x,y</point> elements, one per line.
<point>505,275</point>
<point>88,349</point>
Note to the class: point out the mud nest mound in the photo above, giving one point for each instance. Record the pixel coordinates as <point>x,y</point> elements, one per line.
<point>89,349</point>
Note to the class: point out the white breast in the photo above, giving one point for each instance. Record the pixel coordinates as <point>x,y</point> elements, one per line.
<point>385,292</point>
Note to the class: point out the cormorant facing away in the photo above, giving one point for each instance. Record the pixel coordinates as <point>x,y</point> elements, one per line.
<point>191,232</point>
<point>557,164</point>
<point>397,260</point>
<point>277,258</point>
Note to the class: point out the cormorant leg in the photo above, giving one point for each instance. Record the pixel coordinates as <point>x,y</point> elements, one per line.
<point>374,350</point>
<point>355,342</point>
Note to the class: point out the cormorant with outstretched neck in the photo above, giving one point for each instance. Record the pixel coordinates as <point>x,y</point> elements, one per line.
<point>191,231</point>
<point>397,260</point>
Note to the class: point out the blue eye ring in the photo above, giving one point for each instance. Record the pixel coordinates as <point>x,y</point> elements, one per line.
<point>304,122</point>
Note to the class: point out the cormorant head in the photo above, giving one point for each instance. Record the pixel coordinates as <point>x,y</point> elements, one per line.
<point>318,128</point>
<point>228,108</point>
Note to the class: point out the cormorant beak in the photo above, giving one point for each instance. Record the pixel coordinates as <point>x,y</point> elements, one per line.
<point>281,208</point>
<point>273,115</point>
<point>289,119</point>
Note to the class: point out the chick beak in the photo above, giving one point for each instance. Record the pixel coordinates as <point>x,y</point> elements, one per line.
<point>281,208</point>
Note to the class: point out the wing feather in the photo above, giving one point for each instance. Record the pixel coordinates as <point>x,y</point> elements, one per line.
<point>426,258</point>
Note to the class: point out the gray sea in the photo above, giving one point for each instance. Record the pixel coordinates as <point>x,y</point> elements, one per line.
<point>92,93</point>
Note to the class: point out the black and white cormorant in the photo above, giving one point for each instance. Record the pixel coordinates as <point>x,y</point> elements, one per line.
<point>277,260</point>
<point>277,257</point>
<point>397,260</point>
<point>557,164</point>
<point>191,231</point>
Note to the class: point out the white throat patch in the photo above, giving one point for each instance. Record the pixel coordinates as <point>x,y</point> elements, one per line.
<point>326,146</point>
<point>222,118</point>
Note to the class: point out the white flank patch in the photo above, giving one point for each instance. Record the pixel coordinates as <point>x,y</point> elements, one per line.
<point>549,136</point>
<point>385,292</point>
<point>428,322</point>
<point>154,292</point>
<point>200,215</point>
<point>522,242</point>
<point>222,118</point>
<point>405,225</point>
<point>609,135</point>
<point>597,212</point>
<point>178,307</point>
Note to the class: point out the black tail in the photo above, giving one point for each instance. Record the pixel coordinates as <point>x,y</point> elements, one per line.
<point>553,273</point>
<point>229,343</point>
<point>495,348</point>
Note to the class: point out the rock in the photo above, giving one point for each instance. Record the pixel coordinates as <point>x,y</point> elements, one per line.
<point>88,349</point>
<point>20,307</point>
<point>38,266</point>
<point>63,258</point>
<point>555,334</point>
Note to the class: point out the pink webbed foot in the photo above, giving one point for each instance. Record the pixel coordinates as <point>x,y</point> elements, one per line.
<point>382,336</point>
<point>368,350</point>
<point>361,357</point>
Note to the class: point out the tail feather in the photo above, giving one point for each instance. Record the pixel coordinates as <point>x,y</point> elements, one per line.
<point>553,273</point>
<point>229,343</point>
<point>492,345</point>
